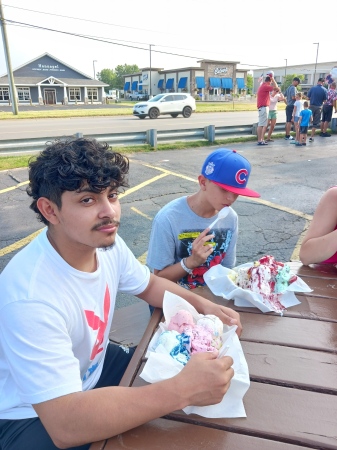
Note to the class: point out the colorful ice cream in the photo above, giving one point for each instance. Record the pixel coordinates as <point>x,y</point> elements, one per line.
<point>185,337</point>
<point>267,277</point>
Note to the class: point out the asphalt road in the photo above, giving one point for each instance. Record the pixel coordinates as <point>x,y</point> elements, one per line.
<point>32,128</point>
<point>290,181</point>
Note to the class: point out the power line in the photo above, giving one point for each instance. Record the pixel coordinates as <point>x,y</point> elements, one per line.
<point>85,20</point>
<point>120,26</point>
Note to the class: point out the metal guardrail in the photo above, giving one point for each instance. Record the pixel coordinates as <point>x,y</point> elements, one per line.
<point>209,133</point>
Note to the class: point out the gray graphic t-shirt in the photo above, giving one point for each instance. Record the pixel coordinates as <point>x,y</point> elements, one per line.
<point>173,231</point>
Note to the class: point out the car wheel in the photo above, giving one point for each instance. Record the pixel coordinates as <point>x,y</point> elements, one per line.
<point>174,115</point>
<point>142,117</point>
<point>153,113</point>
<point>187,111</point>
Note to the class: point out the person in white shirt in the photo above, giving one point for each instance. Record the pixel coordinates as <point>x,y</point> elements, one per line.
<point>59,374</point>
<point>275,97</point>
<point>298,107</point>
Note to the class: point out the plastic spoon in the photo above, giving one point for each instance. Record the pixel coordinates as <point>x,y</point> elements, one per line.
<point>221,215</point>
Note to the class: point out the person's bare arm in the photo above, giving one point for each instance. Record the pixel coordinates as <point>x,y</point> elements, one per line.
<point>200,252</point>
<point>320,241</point>
<point>154,294</point>
<point>86,417</point>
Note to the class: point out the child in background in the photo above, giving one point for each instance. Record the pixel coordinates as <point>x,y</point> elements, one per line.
<point>275,97</point>
<point>298,106</point>
<point>303,123</point>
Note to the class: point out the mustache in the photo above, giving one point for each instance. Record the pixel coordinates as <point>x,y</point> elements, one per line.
<point>115,223</point>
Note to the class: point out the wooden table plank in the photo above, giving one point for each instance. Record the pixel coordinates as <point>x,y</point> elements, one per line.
<point>129,323</point>
<point>314,270</point>
<point>291,332</point>
<point>279,413</point>
<point>306,369</point>
<point>163,434</point>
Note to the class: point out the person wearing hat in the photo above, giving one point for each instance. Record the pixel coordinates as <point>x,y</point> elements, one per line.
<point>290,95</point>
<point>182,245</point>
<point>317,96</point>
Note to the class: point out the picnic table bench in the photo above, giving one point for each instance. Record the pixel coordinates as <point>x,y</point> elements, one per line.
<point>292,401</point>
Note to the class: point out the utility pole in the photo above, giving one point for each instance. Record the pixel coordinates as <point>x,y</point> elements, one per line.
<point>150,90</point>
<point>12,89</point>
<point>315,43</point>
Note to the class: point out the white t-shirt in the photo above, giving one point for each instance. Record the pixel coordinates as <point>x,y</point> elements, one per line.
<point>299,106</point>
<point>55,322</point>
<point>273,102</point>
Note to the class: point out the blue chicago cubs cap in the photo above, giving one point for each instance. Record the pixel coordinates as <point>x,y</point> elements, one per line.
<point>229,170</point>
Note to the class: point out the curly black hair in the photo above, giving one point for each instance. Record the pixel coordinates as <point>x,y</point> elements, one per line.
<point>70,164</point>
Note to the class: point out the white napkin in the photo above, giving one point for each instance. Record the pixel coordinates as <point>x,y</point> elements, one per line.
<point>220,284</point>
<point>161,366</point>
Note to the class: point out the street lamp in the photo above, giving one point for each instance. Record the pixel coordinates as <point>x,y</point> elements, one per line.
<point>150,90</point>
<point>315,43</point>
<point>93,64</point>
<point>285,69</point>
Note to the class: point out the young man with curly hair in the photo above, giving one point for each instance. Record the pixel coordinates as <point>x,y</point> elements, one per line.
<point>59,374</point>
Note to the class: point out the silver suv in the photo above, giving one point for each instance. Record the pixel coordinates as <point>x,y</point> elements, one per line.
<point>171,103</point>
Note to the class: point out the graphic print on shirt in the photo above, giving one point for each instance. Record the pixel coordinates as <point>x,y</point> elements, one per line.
<point>220,242</point>
<point>99,325</point>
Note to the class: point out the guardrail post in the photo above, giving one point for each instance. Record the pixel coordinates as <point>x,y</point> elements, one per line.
<point>333,124</point>
<point>254,129</point>
<point>151,138</point>
<point>209,133</point>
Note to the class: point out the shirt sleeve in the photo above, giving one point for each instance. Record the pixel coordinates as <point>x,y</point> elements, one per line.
<point>39,352</point>
<point>162,249</point>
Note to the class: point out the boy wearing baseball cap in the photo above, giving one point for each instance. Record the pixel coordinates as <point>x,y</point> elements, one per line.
<point>182,246</point>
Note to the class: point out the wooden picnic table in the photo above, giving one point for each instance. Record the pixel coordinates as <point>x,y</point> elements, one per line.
<point>292,401</point>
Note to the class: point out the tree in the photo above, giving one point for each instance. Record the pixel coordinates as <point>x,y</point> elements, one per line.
<point>250,81</point>
<point>289,79</point>
<point>120,71</point>
<point>107,76</point>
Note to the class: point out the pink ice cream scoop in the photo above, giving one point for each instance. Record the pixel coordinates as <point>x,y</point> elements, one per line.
<point>180,321</point>
<point>202,340</point>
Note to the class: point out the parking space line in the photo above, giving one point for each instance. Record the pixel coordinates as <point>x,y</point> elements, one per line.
<point>2,191</point>
<point>140,213</point>
<point>19,244</point>
<point>141,185</point>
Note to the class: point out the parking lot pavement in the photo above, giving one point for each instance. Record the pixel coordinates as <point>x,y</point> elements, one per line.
<point>291,181</point>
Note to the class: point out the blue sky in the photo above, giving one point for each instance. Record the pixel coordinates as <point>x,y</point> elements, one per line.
<point>253,33</point>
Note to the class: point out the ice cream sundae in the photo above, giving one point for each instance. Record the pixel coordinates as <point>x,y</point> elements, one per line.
<point>267,277</point>
<point>185,337</point>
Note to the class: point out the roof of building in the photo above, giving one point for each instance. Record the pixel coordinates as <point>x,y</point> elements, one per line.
<point>47,66</point>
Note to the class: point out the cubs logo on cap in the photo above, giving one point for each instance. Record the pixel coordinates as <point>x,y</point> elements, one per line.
<point>229,170</point>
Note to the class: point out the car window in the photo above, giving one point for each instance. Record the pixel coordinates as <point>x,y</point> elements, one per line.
<point>168,98</point>
<point>157,98</point>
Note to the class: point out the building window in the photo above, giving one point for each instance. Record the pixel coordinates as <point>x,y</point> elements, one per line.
<point>4,94</point>
<point>92,94</point>
<point>23,93</point>
<point>74,94</point>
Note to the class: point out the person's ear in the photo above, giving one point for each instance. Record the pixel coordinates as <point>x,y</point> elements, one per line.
<point>48,209</point>
<point>202,182</point>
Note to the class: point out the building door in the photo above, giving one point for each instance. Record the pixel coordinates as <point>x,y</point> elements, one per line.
<point>50,96</point>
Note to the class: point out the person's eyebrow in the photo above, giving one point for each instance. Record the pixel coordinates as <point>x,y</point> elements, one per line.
<point>89,190</point>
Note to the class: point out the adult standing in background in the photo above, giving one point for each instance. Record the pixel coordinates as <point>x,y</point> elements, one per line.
<point>263,102</point>
<point>317,96</point>
<point>290,95</point>
<point>328,107</point>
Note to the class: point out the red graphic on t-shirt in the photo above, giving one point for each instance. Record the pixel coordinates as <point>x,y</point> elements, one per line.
<point>97,324</point>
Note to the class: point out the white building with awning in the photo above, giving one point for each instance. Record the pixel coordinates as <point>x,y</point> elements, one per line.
<point>212,80</point>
